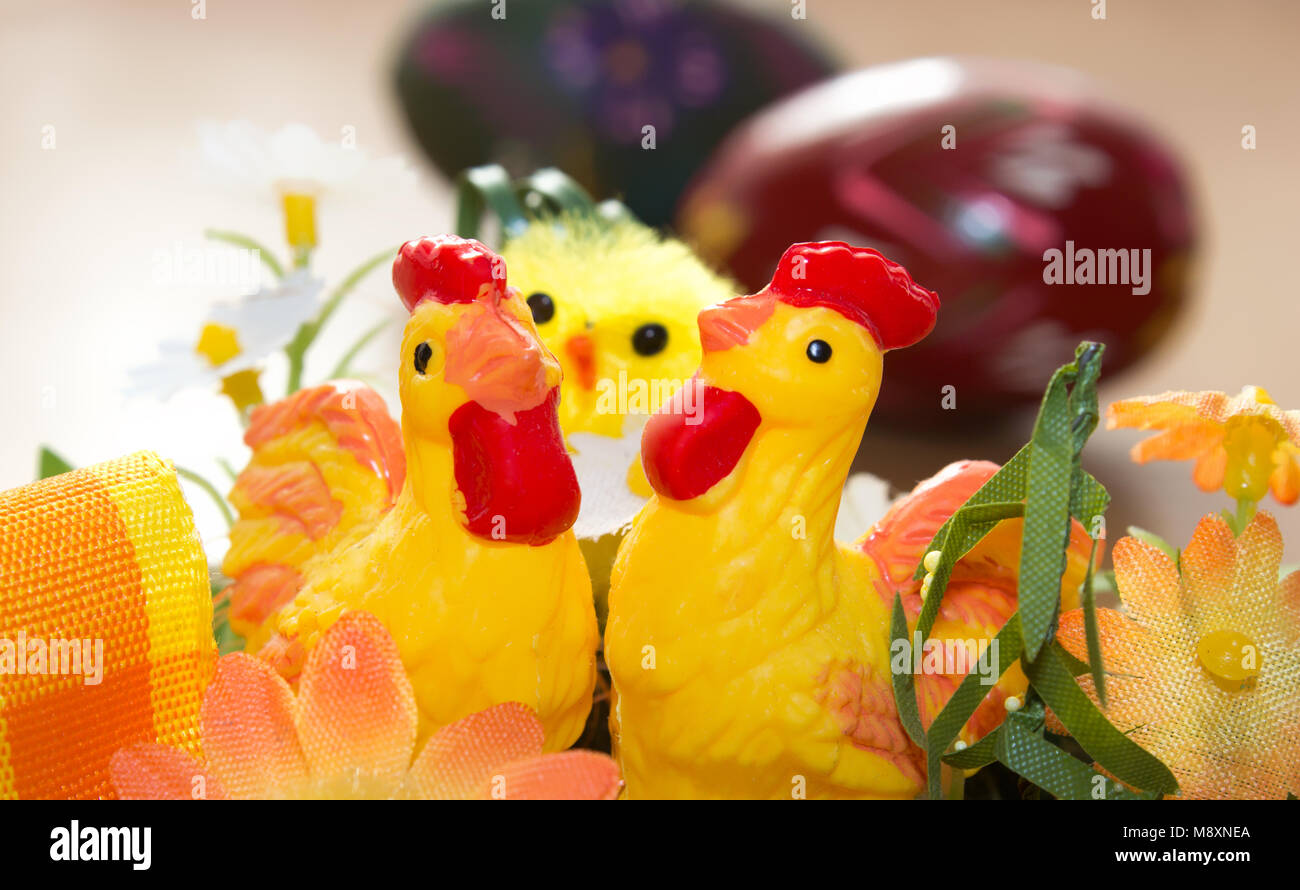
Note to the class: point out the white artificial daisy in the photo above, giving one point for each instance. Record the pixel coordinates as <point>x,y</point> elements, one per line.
<point>235,341</point>
<point>298,167</point>
<point>865,501</point>
<point>294,159</point>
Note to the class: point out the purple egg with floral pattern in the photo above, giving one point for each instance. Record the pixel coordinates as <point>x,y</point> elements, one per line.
<point>630,97</point>
<point>1040,215</point>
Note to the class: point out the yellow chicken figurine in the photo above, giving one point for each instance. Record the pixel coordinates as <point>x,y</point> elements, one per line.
<point>750,652</point>
<point>455,532</point>
<point>616,302</point>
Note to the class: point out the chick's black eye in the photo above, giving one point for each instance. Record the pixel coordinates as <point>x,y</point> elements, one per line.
<point>650,339</point>
<point>543,307</point>
<point>819,351</point>
<point>423,353</point>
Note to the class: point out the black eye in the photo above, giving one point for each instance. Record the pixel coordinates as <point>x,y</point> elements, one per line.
<point>423,353</point>
<point>543,307</point>
<point>650,339</point>
<point>819,351</point>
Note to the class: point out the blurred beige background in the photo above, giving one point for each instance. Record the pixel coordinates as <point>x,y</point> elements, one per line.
<point>123,83</point>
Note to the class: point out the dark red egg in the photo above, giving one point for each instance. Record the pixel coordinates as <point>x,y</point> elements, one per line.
<point>969,173</point>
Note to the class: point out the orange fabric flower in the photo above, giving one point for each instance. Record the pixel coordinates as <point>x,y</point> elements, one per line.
<point>350,733</point>
<point>982,590</point>
<point>1244,444</point>
<point>1203,662</point>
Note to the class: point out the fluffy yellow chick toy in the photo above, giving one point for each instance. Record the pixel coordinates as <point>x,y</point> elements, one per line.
<point>750,652</point>
<point>454,532</point>
<point>616,302</point>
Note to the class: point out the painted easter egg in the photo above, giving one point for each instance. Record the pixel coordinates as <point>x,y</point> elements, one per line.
<point>630,97</point>
<point>1040,215</point>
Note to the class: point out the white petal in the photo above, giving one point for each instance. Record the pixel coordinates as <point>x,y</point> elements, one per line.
<point>602,464</point>
<point>178,367</point>
<point>295,158</point>
<point>865,500</point>
<point>268,319</point>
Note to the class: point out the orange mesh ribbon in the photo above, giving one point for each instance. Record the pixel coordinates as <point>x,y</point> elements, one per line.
<point>101,573</point>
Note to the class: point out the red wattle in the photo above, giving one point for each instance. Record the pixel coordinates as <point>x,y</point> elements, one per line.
<point>686,453</point>
<point>518,481</point>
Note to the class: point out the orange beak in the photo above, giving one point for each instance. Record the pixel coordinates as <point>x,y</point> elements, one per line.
<point>730,324</point>
<point>581,350</point>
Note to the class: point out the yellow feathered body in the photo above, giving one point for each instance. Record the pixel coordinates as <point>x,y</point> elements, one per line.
<point>749,651</point>
<point>605,281</point>
<point>476,622</point>
<point>454,529</point>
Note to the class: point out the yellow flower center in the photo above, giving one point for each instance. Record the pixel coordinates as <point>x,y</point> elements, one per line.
<point>218,343</point>
<point>244,389</point>
<point>1229,656</point>
<point>1250,441</point>
<point>300,220</point>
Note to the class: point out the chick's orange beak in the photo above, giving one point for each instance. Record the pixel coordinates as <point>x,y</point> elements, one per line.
<point>499,362</point>
<point>581,350</point>
<point>731,323</point>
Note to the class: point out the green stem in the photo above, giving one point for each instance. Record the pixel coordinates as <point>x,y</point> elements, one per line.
<point>239,239</point>
<point>341,369</point>
<point>296,350</point>
<point>211,490</point>
<point>1245,513</point>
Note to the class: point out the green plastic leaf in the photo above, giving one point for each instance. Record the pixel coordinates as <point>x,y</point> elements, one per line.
<point>971,692</point>
<point>1120,755</point>
<point>549,191</point>
<point>615,212</point>
<point>1084,411</point>
<point>1092,631</point>
<point>1022,749</point>
<point>967,527</point>
<point>1076,667</point>
<point>967,698</point>
<point>1045,484</point>
<point>1057,488</point>
<point>479,189</point>
<point>1047,516</point>
<point>50,464</point>
<point>978,755</point>
<point>909,713</point>
<point>1088,501</point>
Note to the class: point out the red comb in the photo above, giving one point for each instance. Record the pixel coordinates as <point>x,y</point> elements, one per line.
<point>860,284</point>
<point>446,269</point>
